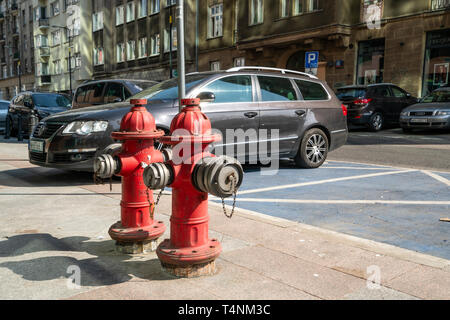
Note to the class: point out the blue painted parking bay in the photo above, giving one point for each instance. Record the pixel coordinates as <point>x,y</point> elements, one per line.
<point>401,207</point>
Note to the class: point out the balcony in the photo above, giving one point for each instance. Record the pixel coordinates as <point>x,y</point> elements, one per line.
<point>44,51</point>
<point>43,23</point>
<point>2,16</point>
<point>46,80</point>
<point>2,38</point>
<point>14,8</point>
<point>3,60</point>
<point>16,56</point>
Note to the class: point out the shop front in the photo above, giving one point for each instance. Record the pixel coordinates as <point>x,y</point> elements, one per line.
<point>437,61</point>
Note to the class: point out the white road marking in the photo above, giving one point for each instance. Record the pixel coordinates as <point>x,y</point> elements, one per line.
<point>356,168</point>
<point>438,178</point>
<point>380,165</point>
<point>305,201</point>
<point>311,183</point>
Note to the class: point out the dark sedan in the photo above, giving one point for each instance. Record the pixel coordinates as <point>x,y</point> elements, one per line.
<point>374,105</point>
<point>298,112</point>
<point>432,112</point>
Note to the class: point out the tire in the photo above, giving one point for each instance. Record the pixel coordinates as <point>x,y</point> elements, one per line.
<point>313,149</point>
<point>10,131</point>
<point>376,122</point>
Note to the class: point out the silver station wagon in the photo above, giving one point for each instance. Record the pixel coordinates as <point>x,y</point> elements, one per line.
<point>261,112</point>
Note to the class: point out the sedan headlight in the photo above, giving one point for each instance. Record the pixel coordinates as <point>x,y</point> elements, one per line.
<point>84,128</point>
<point>404,113</point>
<point>443,113</point>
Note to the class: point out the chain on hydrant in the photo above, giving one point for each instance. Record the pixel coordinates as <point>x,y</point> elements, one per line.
<point>234,189</point>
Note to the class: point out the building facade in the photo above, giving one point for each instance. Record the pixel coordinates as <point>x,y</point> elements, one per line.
<point>138,39</point>
<point>63,44</point>
<point>16,47</point>
<point>359,41</point>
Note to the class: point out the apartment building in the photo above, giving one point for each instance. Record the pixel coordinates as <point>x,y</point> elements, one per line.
<point>16,47</point>
<point>359,41</point>
<point>138,39</point>
<point>63,44</point>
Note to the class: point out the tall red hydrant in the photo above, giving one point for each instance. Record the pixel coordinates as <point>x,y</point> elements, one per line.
<point>137,232</point>
<point>192,173</point>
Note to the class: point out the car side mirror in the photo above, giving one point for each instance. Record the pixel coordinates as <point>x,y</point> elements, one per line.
<point>207,97</point>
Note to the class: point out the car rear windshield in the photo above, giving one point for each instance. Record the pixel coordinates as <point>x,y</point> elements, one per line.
<point>437,96</point>
<point>350,93</point>
<point>168,90</point>
<point>51,101</point>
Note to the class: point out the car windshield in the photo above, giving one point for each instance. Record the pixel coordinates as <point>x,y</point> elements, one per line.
<point>51,101</point>
<point>168,90</point>
<point>350,93</point>
<point>142,85</point>
<point>437,96</point>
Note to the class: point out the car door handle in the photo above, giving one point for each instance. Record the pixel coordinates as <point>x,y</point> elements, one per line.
<point>251,115</point>
<point>300,113</point>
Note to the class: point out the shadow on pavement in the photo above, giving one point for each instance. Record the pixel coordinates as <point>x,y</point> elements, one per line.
<point>106,268</point>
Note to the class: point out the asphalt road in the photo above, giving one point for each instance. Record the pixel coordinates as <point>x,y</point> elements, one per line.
<point>419,150</point>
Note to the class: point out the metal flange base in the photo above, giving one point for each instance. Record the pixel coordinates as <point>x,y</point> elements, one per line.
<point>136,240</point>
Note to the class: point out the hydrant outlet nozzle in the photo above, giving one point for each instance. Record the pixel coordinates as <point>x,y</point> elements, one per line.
<point>105,166</point>
<point>158,175</point>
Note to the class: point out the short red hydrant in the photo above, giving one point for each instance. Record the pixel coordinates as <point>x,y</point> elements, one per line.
<point>137,232</point>
<point>192,173</point>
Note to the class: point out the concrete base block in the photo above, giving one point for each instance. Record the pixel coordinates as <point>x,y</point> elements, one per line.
<point>137,247</point>
<point>192,271</point>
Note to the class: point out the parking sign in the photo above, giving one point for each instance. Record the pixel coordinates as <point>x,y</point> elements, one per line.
<point>311,59</point>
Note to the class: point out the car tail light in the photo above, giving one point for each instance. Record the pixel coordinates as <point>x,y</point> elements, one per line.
<point>362,101</point>
<point>344,110</point>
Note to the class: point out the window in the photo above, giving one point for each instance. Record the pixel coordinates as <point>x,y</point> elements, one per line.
<point>94,94</point>
<point>436,61</point>
<point>154,6</point>
<point>120,52</point>
<point>285,8</point>
<point>76,27</point>
<point>98,56</point>
<point>370,63</point>
<point>215,66</point>
<point>215,21</point>
<point>439,4</point>
<point>114,93</point>
<point>313,5</point>
<point>276,89</point>
<point>54,7</point>
<point>119,15</point>
<point>97,21</point>
<point>231,89</point>
<point>382,91</point>
<point>41,41</point>
<point>131,49</point>
<point>398,93</point>
<point>256,11</point>
<point>81,94</point>
<point>298,7</point>
<point>142,9</point>
<point>239,62</point>
<point>154,45</point>
<point>311,90</point>
<point>167,39</point>
<point>57,67</point>
<point>142,48</point>
<point>56,37</point>
<point>130,11</point>
<point>171,3</point>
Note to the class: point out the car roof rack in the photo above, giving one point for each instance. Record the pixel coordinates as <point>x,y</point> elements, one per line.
<point>283,71</point>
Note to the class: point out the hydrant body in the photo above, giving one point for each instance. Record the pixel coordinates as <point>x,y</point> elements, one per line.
<point>137,231</point>
<point>189,251</point>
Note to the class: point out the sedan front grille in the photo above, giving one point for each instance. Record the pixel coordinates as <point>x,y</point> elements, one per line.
<point>45,130</point>
<point>421,113</point>
<point>39,157</point>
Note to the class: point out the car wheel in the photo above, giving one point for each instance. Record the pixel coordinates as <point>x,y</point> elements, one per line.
<point>313,149</point>
<point>376,122</point>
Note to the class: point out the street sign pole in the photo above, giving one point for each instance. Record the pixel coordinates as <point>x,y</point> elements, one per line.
<point>180,50</point>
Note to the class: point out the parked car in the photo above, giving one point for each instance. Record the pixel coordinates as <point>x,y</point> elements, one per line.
<point>375,105</point>
<point>4,105</point>
<point>308,116</point>
<point>39,103</point>
<point>98,92</point>
<point>432,112</point>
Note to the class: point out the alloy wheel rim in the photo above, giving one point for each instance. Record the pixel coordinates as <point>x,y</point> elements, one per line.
<point>316,148</point>
<point>377,121</point>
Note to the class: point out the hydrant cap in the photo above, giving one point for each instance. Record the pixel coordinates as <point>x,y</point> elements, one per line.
<point>192,120</point>
<point>138,120</point>
<point>138,102</point>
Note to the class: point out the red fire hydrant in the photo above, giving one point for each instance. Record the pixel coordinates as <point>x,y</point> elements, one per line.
<point>192,173</point>
<point>137,232</point>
